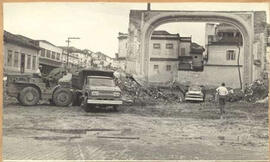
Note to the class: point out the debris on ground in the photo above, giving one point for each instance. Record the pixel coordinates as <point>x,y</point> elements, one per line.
<point>257,91</point>
<point>136,91</point>
<point>265,100</point>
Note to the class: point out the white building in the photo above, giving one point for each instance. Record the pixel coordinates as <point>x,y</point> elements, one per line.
<point>50,56</point>
<point>20,54</point>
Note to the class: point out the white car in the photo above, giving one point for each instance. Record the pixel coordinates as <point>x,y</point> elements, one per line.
<point>194,93</point>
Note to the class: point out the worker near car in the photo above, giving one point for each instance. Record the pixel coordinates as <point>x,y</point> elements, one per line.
<point>222,92</point>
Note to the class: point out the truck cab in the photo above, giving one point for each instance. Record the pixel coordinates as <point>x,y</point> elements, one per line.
<point>99,89</point>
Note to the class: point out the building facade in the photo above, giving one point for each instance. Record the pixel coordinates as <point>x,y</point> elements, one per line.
<point>50,56</point>
<point>224,44</point>
<point>169,53</point>
<point>20,54</point>
<point>120,57</point>
<point>164,52</point>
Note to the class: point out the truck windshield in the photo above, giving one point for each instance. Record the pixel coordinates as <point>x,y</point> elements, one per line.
<point>101,82</point>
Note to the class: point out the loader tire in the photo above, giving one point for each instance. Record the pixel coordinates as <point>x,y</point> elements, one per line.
<point>29,96</point>
<point>62,97</point>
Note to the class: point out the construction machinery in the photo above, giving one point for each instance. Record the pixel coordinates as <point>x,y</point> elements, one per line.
<point>29,89</point>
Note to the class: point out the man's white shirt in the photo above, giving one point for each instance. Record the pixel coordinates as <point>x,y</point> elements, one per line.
<point>222,91</point>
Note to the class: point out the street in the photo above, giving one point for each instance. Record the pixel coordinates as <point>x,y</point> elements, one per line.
<point>188,131</point>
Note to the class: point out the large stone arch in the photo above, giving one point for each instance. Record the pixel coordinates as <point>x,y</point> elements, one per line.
<point>143,23</point>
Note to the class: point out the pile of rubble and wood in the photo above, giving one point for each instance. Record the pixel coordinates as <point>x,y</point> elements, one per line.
<point>135,91</point>
<point>255,92</point>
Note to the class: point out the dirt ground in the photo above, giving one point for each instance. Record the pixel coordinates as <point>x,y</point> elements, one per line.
<point>186,131</point>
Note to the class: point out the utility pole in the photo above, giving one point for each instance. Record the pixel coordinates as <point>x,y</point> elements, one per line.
<point>148,6</point>
<point>68,41</point>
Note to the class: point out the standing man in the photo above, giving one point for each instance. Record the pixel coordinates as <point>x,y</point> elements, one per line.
<point>222,92</point>
<point>38,71</point>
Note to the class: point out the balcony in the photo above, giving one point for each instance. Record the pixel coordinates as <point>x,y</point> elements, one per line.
<point>185,63</point>
<point>188,63</point>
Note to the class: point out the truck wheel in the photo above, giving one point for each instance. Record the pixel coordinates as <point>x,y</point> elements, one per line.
<point>29,96</point>
<point>62,97</point>
<point>115,108</point>
<point>86,107</point>
<point>76,99</point>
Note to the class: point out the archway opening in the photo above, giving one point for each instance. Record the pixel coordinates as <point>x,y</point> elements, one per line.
<point>204,17</point>
<point>195,52</point>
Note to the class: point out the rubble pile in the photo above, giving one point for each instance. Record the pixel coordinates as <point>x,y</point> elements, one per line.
<point>134,92</point>
<point>256,91</point>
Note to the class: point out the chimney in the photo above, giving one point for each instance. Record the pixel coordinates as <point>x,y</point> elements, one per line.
<point>148,6</point>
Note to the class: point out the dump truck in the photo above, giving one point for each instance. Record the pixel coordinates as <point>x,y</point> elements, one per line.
<point>95,88</point>
<point>29,89</point>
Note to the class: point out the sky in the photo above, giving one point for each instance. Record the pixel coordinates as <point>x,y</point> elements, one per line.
<point>98,24</point>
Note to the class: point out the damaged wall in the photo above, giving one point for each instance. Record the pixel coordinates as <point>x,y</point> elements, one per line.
<point>211,77</point>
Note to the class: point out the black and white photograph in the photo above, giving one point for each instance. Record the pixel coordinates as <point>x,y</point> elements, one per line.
<point>135,81</point>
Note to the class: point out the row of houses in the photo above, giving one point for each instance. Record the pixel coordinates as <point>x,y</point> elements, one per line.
<point>25,55</point>
<point>176,58</point>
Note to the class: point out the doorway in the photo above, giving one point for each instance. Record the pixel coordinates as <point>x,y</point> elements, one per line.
<point>22,67</point>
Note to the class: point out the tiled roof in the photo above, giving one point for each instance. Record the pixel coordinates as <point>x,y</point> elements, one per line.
<point>161,32</point>
<point>20,40</point>
<point>195,48</point>
<point>102,54</point>
<point>45,42</point>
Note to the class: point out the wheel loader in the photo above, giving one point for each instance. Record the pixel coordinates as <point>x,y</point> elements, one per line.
<point>29,89</point>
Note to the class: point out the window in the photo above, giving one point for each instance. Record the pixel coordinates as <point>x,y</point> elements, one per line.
<point>34,59</point>
<point>9,58</point>
<point>42,52</point>
<point>183,51</point>
<point>169,46</point>
<point>155,67</point>
<point>16,59</point>
<point>48,54</point>
<point>100,82</point>
<point>28,62</point>
<point>168,67</point>
<point>53,55</point>
<point>58,56</point>
<point>156,46</point>
<point>230,55</point>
